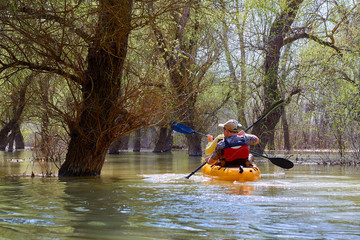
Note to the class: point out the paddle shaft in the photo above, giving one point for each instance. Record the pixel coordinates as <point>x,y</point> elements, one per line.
<point>193,172</point>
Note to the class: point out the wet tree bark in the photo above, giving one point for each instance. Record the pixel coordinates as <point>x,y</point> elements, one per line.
<point>95,129</point>
<point>193,140</point>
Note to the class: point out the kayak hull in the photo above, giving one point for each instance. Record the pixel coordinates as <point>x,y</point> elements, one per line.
<point>232,174</point>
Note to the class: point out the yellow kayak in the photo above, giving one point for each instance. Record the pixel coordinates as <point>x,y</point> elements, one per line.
<point>232,174</point>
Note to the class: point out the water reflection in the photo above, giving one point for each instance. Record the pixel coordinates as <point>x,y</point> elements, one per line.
<point>233,187</point>
<point>145,196</point>
<point>97,206</point>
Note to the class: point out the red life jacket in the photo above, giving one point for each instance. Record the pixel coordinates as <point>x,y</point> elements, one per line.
<point>237,152</point>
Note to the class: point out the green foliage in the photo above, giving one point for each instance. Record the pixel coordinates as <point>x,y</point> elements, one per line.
<point>325,66</point>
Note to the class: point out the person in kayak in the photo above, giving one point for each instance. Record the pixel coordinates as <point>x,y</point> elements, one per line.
<point>230,149</point>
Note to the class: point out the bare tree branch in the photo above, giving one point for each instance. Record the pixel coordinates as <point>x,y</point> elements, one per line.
<point>42,14</point>
<point>45,68</point>
<point>314,38</point>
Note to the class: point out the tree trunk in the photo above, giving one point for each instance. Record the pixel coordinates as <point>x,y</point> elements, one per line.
<point>19,140</point>
<point>115,146</point>
<point>240,24</point>
<point>19,100</point>
<point>4,139</point>
<point>124,142</point>
<point>15,137</point>
<point>240,93</point>
<point>11,142</point>
<point>165,141</point>
<point>193,140</point>
<point>283,75</point>
<point>137,141</point>
<point>147,138</point>
<point>119,144</point>
<point>96,127</point>
<point>45,132</point>
<point>271,142</point>
<point>194,144</point>
<point>184,76</point>
<point>285,124</point>
<point>4,133</point>
<point>279,28</point>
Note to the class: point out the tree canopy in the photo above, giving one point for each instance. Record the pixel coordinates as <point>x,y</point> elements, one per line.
<point>91,72</point>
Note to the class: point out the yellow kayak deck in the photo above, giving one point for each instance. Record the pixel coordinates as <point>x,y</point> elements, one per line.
<point>232,174</point>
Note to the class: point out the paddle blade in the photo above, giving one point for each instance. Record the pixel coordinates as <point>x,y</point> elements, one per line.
<point>282,162</point>
<point>178,127</point>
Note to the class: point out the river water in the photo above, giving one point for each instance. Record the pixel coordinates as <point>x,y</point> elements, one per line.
<point>145,196</point>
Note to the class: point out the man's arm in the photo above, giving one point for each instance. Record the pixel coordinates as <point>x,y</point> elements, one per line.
<point>210,147</point>
<point>250,139</point>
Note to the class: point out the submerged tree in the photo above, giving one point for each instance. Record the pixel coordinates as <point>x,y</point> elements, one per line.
<point>99,119</point>
<point>86,44</point>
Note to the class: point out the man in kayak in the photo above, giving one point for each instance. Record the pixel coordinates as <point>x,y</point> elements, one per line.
<point>230,149</point>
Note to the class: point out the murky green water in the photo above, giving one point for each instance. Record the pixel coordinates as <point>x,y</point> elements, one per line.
<point>144,196</point>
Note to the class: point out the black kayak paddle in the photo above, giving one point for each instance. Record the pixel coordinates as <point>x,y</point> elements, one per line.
<point>280,162</point>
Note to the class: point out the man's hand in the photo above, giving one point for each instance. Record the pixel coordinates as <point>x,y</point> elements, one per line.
<point>209,160</point>
<point>241,133</point>
<point>210,138</point>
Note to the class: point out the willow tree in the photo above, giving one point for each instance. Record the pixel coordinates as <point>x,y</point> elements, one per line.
<point>184,42</point>
<point>334,93</point>
<point>284,30</point>
<point>97,121</point>
<point>86,44</point>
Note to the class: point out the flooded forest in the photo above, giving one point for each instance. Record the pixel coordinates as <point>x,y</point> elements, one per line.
<point>84,79</point>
